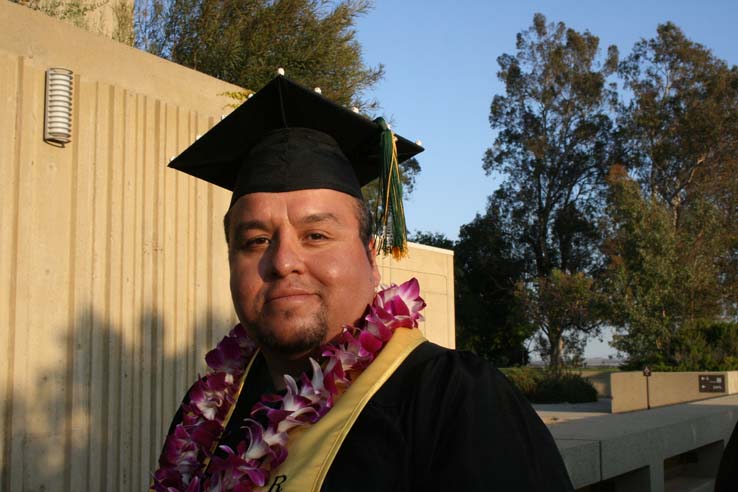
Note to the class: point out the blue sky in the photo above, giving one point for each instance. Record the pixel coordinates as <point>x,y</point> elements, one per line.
<point>440,63</point>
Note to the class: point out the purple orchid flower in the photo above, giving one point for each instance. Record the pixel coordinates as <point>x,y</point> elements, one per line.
<point>401,302</point>
<point>226,357</point>
<point>247,344</point>
<point>210,397</point>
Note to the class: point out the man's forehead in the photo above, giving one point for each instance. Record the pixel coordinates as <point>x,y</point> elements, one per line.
<point>302,205</point>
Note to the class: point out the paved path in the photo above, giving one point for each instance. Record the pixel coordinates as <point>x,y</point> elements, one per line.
<point>554,413</point>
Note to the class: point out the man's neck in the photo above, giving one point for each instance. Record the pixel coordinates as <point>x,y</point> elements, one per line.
<point>279,366</point>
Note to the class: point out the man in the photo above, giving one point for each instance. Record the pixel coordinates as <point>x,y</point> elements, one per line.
<point>402,413</point>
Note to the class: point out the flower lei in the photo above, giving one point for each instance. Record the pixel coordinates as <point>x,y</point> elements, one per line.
<point>191,446</point>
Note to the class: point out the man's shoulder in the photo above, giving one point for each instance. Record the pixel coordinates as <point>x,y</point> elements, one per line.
<point>432,360</point>
<point>431,368</point>
<point>457,408</point>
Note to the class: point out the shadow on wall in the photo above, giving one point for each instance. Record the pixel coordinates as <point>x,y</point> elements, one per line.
<point>99,423</point>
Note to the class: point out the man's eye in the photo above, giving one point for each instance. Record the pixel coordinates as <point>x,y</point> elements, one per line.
<point>316,236</point>
<point>255,242</point>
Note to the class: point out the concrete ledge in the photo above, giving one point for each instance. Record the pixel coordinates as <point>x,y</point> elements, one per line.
<point>582,460</point>
<point>632,441</point>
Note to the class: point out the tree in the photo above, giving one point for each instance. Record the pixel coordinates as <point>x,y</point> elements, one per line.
<point>489,320</point>
<point>672,238</point>
<point>566,309</point>
<point>681,134</point>
<point>435,239</point>
<point>707,346</point>
<point>658,280</point>
<point>552,149</point>
<point>680,128</point>
<point>245,42</point>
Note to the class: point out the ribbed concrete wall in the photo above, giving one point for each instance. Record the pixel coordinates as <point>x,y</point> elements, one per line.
<point>113,269</point>
<point>114,275</point>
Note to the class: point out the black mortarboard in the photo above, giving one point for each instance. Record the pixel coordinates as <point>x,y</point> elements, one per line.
<point>287,137</point>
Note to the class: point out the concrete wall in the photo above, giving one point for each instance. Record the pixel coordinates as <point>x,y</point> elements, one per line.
<point>434,269</point>
<point>629,390</point>
<point>113,269</point>
<point>110,18</point>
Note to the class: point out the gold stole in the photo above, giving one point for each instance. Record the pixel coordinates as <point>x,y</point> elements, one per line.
<point>311,450</point>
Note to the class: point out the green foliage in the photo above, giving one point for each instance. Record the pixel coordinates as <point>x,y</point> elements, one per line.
<point>245,42</point>
<point>551,149</point>
<point>569,388</point>
<point>673,249</point>
<point>541,386</point>
<point>489,319</point>
<point>436,239</point>
<point>75,12</point>
<point>526,379</point>
<point>566,308</point>
<point>86,14</point>
<point>678,130</point>
<point>660,278</point>
<point>703,346</point>
<point>643,276</point>
<point>664,254</point>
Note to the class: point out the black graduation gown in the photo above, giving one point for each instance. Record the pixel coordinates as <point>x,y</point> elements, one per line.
<point>445,421</point>
<point>727,477</point>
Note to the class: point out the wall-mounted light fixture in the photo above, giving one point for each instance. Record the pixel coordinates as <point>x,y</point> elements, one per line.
<point>58,114</point>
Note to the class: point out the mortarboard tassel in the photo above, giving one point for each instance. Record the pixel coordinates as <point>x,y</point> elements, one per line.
<point>390,215</point>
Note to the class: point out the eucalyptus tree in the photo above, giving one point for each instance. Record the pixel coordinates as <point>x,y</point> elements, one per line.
<point>672,234</point>
<point>679,129</point>
<point>552,148</point>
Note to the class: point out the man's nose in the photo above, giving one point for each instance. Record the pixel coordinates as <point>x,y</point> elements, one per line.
<point>287,256</point>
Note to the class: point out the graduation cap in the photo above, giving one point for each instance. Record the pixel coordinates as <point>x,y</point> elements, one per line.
<point>287,137</point>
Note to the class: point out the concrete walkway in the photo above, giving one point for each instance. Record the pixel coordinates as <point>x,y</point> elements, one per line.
<point>554,413</point>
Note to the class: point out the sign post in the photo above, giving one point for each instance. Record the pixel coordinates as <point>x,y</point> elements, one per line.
<point>647,375</point>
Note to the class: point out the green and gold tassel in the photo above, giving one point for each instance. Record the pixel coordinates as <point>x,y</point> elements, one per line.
<point>390,228</point>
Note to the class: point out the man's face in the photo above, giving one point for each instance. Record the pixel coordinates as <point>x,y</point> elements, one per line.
<point>299,270</point>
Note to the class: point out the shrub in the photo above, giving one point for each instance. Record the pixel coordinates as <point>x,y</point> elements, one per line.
<point>540,386</point>
<point>526,379</point>
<point>570,388</point>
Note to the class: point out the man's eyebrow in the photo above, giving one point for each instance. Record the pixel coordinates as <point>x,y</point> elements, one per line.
<point>248,225</point>
<point>320,217</point>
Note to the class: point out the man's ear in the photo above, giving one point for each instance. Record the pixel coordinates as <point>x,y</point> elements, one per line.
<point>372,253</point>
